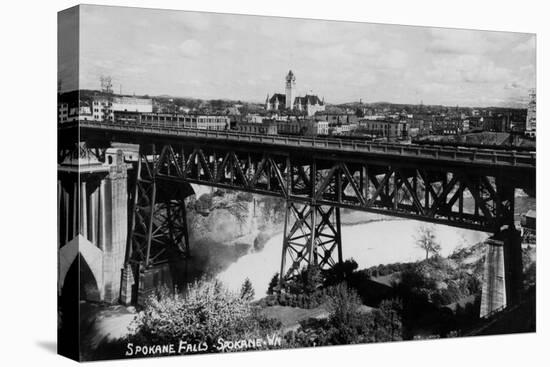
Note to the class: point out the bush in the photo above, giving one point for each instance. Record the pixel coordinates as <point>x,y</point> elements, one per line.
<point>308,281</point>
<point>348,325</point>
<point>389,320</point>
<point>245,196</point>
<point>204,202</point>
<point>206,312</point>
<point>273,284</point>
<point>340,272</point>
<point>343,304</point>
<point>247,291</point>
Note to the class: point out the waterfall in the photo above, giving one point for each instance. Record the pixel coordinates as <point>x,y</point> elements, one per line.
<point>369,244</point>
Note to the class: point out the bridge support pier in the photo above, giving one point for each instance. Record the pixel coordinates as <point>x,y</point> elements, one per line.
<point>128,289</point>
<point>312,237</point>
<point>92,221</point>
<point>502,274</point>
<point>115,227</point>
<point>158,228</point>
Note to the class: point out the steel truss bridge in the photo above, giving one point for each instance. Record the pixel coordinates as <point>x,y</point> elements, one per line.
<point>461,187</point>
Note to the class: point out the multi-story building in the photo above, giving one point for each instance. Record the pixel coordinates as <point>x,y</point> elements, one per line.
<point>304,127</point>
<point>344,128</point>
<point>201,122</point>
<point>127,116</point>
<point>374,117</point>
<point>255,118</point>
<point>68,113</point>
<point>133,104</point>
<point>497,123</point>
<point>267,127</point>
<point>289,127</point>
<point>474,123</point>
<point>62,112</point>
<point>319,127</point>
<point>309,104</point>
<point>337,118</point>
<point>446,126</point>
<point>386,128</point>
<point>81,113</point>
<point>531,121</point>
<point>102,109</point>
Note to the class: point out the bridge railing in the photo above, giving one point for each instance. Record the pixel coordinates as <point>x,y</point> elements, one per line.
<point>487,156</point>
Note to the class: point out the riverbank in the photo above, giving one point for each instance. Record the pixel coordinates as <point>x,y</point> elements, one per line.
<point>370,241</point>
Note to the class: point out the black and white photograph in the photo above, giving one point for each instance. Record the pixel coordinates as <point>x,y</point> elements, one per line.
<point>235,183</point>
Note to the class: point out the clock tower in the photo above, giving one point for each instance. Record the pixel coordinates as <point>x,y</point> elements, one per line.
<point>290,90</point>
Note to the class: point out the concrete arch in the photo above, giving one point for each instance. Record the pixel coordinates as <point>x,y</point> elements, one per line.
<point>89,252</point>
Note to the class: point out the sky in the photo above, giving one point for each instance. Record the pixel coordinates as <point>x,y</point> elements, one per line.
<point>209,55</point>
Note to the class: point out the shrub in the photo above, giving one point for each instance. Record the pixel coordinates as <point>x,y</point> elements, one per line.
<point>204,202</point>
<point>307,281</point>
<point>340,272</point>
<point>206,312</point>
<point>342,304</point>
<point>273,284</point>
<point>247,291</point>
<point>389,321</point>
<point>245,196</point>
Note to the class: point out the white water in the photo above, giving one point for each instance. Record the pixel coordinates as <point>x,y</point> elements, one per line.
<point>201,189</point>
<point>368,244</point>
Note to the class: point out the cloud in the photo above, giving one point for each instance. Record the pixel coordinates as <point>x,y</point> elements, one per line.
<point>364,79</point>
<point>226,45</point>
<point>528,45</point>
<point>313,32</point>
<point>244,57</point>
<point>366,47</point>
<point>467,68</point>
<point>512,85</point>
<point>191,48</point>
<point>458,41</point>
<point>195,21</point>
<point>394,59</point>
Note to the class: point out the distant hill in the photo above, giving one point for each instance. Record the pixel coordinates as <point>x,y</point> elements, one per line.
<point>85,94</point>
<point>391,105</point>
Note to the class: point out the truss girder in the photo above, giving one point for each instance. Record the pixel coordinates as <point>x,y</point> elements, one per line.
<point>456,196</point>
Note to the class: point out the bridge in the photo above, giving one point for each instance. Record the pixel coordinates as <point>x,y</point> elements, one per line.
<point>461,187</point>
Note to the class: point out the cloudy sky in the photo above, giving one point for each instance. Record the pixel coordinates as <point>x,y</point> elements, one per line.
<point>208,55</point>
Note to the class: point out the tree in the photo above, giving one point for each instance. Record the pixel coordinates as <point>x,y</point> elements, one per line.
<point>247,291</point>
<point>340,272</point>
<point>309,279</point>
<point>426,241</point>
<point>344,318</point>
<point>206,312</point>
<point>391,324</point>
<point>273,284</point>
<point>343,303</point>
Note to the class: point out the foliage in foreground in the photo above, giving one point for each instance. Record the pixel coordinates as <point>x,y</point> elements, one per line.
<point>206,312</point>
<point>348,323</point>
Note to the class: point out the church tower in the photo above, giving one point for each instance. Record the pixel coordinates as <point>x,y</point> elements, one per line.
<point>290,90</point>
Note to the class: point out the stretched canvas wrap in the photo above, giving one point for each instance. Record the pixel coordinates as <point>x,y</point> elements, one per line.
<point>236,183</point>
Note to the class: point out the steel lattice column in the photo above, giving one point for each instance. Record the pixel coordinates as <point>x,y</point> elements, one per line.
<point>312,236</point>
<point>158,228</point>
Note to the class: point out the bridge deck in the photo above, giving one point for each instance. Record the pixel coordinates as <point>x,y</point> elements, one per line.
<point>468,156</point>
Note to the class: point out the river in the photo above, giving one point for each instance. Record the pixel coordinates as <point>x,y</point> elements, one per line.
<point>369,244</point>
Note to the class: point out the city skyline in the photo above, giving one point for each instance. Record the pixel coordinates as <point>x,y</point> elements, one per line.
<point>222,56</point>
